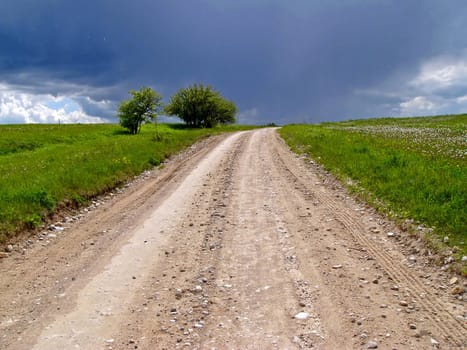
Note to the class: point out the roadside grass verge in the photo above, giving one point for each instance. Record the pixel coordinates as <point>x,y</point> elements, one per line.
<point>411,168</point>
<point>44,167</point>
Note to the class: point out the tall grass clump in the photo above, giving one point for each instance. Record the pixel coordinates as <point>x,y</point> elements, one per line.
<point>43,167</point>
<point>415,167</point>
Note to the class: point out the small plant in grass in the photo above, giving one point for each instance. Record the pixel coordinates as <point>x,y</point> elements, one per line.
<point>154,161</point>
<point>33,221</point>
<point>43,199</point>
<point>78,200</point>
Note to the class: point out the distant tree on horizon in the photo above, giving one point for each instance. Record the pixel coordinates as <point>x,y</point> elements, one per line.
<point>201,106</point>
<point>143,107</point>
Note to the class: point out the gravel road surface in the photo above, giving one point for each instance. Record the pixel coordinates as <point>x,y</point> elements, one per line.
<point>236,243</point>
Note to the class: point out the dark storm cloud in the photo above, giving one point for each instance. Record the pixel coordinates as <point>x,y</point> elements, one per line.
<point>283,61</point>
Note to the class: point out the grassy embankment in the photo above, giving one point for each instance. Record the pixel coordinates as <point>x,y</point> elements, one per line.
<point>45,166</point>
<point>411,168</point>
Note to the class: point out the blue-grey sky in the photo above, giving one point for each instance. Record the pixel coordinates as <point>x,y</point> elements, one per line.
<point>280,61</point>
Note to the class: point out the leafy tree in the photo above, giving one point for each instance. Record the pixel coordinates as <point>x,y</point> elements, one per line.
<point>141,108</point>
<point>201,106</point>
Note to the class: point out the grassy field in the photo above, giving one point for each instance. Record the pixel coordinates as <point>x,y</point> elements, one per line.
<point>45,166</point>
<point>411,167</point>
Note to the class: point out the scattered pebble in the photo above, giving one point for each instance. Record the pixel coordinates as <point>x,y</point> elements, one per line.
<point>302,316</point>
<point>178,293</point>
<point>390,234</point>
<point>337,266</point>
<point>3,255</point>
<point>457,290</point>
<point>55,228</point>
<point>412,326</point>
<point>403,303</point>
<point>453,281</point>
<point>372,345</point>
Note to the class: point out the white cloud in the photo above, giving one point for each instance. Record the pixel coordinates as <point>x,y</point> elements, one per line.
<point>439,86</point>
<point>462,99</point>
<point>24,107</point>
<point>442,73</point>
<point>105,108</point>
<point>432,105</point>
<point>417,105</point>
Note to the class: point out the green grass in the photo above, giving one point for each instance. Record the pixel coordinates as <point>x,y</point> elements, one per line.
<point>410,167</point>
<point>44,167</point>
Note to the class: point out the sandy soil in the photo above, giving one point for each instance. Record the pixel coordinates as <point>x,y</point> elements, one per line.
<point>235,244</point>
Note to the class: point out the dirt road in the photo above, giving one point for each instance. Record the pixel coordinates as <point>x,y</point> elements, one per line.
<point>235,244</point>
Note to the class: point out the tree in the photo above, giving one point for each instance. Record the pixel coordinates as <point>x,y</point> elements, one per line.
<point>141,108</point>
<point>201,106</point>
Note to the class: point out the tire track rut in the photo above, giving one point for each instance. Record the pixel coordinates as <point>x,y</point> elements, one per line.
<point>449,327</point>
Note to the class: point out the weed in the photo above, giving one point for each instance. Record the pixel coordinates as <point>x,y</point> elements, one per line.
<point>154,161</point>
<point>42,198</point>
<point>33,221</point>
<point>78,200</point>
